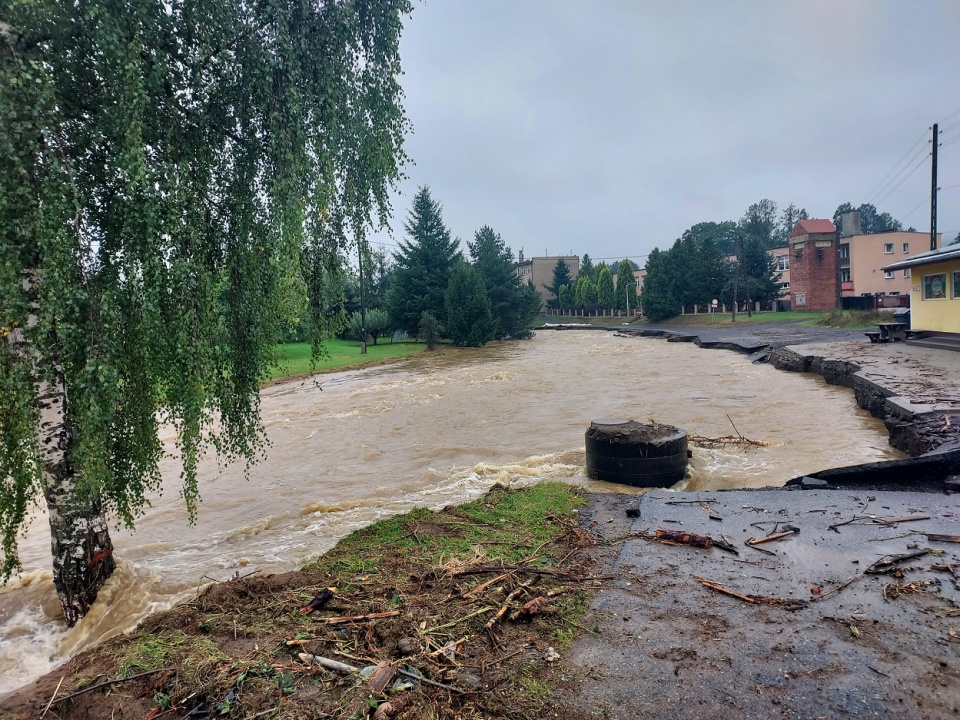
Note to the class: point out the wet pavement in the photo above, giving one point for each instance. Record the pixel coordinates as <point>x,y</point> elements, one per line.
<point>822,637</point>
<point>795,627</point>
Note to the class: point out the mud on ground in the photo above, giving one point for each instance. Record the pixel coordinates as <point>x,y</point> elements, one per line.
<point>885,645</point>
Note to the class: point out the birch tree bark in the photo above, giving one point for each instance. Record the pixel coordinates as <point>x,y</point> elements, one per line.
<point>79,534</point>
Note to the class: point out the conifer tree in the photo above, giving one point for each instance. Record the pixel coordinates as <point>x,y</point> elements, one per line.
<point>626,285</point>
<point>423,264</point>
<point>561,277</point>
<point>606,295</point>
<point>657,298</point>
<point>509,298</point>
<point>469,320</point>
<point>586,267</point>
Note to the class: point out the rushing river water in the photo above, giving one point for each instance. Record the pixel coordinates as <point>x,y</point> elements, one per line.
<point>431,432</point>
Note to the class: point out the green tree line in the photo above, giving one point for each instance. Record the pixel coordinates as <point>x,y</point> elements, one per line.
<point>729,259</point>
<point>595,288</point>
<point>432,289</point>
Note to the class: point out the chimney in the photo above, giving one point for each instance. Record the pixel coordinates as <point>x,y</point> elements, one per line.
<point>850,223</point>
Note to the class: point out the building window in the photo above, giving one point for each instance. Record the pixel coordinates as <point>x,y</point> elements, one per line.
<point>785,286</point>
<point>888,274</point>
<point>783,262</point>
<point>906,248</point>
<point>845,251</point>
<point>845,275</point>
<point>935,286</point>
<point>956,285</point>
<point>801,299</point>
<point>906,273</point>
<point>888,248</point>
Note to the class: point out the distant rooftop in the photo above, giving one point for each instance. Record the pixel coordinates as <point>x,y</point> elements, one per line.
<point>809,227</point>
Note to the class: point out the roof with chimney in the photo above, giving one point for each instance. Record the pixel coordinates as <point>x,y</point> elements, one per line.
<point>812,227</point>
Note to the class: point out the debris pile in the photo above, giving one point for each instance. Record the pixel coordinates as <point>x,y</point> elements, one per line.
<point>459,613</point>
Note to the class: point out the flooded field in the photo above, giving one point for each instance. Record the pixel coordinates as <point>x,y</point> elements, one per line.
<point>430,432</point>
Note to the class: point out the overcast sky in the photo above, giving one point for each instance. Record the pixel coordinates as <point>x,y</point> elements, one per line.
<point>609,127</point>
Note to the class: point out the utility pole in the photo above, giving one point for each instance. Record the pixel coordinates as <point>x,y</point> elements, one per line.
<point>363,309</point>
<point>736,276</point>
<point>747,285</point>
<point>933,189</point>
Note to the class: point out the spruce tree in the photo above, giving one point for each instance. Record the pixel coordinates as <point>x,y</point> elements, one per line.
<point>586,267</point>
<point>423,264</point>
<point>561,277</point>
<point>493,260</point>
<point>657,298</point>
<point>469,320</point>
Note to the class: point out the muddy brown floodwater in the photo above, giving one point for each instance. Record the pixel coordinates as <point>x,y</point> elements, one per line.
<point>430,432</point>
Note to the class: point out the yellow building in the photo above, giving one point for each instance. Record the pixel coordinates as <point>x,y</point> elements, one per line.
<point>934,290</point>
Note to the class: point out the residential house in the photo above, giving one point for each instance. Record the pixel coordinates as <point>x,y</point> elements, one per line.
<point>781,259</point>
<point>863,257</point>
<point>539,271</point>
<point>934,289</point>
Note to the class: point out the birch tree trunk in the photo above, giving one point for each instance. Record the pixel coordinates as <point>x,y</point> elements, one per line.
<point>79,534</point>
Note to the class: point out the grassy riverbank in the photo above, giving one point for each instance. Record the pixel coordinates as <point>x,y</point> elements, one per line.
<point>342,355</point>
<point>437,582</point>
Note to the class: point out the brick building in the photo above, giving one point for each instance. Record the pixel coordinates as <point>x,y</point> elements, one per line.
<point>813,265</point>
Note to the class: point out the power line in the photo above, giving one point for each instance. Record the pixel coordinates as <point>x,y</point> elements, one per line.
<point>947,129</point>
<point>924,201</point>
<point>899,162</point>
<point>905,177</point>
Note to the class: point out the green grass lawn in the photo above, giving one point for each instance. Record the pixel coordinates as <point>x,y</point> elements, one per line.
<point>343,354</point>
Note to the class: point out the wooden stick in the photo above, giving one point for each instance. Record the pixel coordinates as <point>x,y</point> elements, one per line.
<point>685,538</point>
<point>839,587</point>
<point>531,571</point>
<point>887,562</point>
<point>483,586</point>
<point>360,618</point>
<point>481,611</point>
<point>768,538</point>
<point>739,435</point>
<point>503,610</point>
<point>112,682</point>
<point>327,663</point>
<point>905,518</point>
<point>505,657</point>
<point>788,603</point>
<point>721,589</point>
<point>428,681</point>
<point>943,538</point>
<point>52,697</point>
